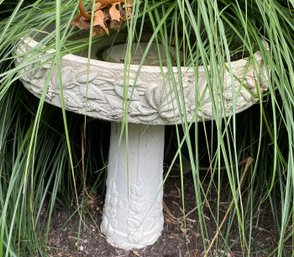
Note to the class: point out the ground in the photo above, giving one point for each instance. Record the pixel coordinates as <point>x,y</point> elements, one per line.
<point>176,240</point>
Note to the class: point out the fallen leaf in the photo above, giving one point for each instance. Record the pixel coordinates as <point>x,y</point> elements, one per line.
<point>108,14</point>
<point>115,15</point>
<point>97,6</point>
<point>81,22</point>
<point>105,3</point>
<point>99,20</point>
<point>114,12</point>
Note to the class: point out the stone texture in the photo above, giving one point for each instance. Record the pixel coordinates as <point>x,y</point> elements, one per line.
<point>153,96</point>
<point>132,216</point>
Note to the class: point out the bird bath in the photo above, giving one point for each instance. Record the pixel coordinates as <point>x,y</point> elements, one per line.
<point>132,215</point>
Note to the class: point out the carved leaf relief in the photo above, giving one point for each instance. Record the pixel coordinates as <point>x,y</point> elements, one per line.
<point>247,94</point>
<point>85,77</point>
<point>133,111</point>
<point>115,115</point>
<point>35,88</point>
<point>39,74</point>
<point>66,77</point>
<point>149,118</point>
<point>72,101</point>
<point>92,92</point>
<point>92,106</point>
<point>115,103</point>
<point>199,95</point>
<point>146,111</point>
<point>154,95</point>
<point>133,223</point>
<point>264,76</point>
<point>137,192</point>
<point>131,94</point>
<point>150,99</point>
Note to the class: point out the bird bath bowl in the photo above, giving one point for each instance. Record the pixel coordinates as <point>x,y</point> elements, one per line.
<point>132,215</point>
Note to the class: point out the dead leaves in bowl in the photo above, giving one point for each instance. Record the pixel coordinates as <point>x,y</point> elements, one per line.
<point>108,14</point>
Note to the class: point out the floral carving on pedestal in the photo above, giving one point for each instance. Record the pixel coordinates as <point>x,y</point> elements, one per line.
<point>137,209</point>
<point>143,219</point>
<point>109,222</point>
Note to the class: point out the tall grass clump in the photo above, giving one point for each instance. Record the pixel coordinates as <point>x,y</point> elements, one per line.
<point>41,160</point>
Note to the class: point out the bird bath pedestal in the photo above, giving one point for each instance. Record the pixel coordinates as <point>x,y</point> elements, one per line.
<point>132,215</point>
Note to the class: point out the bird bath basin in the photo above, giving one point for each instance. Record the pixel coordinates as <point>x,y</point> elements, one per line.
<point>132,215</point>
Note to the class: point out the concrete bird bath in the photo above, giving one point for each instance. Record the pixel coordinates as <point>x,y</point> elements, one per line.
<point>132,216</point>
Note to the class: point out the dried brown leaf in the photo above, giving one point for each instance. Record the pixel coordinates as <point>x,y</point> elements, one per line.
<point>108,14</point>
<point>114,12</point>
<point>83,11</point>
<point>97,6</point>
<point>99,20</point>
<point>116,16</point>
<point>81,22</point>
<point>105,3</point>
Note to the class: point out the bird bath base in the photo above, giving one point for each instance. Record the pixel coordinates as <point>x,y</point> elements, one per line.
<point>132,216</point>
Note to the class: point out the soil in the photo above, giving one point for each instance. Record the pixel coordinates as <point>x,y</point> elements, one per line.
<point>176,239</point>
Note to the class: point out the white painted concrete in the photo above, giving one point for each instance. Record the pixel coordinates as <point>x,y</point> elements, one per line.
<point>132,215</point>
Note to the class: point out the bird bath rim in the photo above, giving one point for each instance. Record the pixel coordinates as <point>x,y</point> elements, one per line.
<point>32,43</point>
<point>151,93</point>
